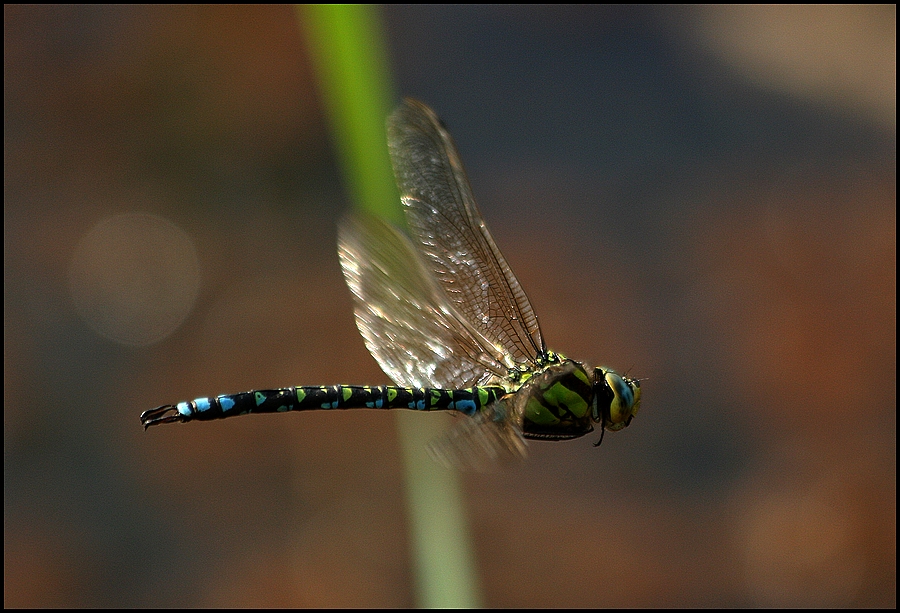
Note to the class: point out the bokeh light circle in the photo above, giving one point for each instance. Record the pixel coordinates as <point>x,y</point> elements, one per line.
<point>134,277</point>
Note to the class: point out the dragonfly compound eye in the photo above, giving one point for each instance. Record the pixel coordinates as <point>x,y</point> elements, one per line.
<point>625,402</point>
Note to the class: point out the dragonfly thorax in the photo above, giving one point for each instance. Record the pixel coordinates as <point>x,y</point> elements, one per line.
<point>563,399</point>
<point>557,401</point>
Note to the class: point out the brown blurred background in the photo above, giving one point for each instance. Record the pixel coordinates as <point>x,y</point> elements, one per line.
<point>704,197</point>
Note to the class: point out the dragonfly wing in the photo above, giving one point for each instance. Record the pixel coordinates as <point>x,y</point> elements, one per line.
<point>462,255</point>
<point>407,323</point>
<point>490,439</point>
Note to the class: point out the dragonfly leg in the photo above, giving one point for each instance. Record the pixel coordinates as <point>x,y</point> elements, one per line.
<point>597,444</point>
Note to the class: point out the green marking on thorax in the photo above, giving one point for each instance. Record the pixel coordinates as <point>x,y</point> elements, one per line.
<point>558,395</point>
<point>536,412</point>
<point>581,374</point>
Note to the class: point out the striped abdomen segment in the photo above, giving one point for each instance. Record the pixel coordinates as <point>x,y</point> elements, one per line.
<point>309,398</point>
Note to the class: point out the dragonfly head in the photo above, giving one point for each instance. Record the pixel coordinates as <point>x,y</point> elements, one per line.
<point>616,399</point>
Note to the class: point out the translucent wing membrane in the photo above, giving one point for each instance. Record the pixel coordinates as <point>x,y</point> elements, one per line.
<point>451,233</point>
<point>415,334</point>
<point>420,340</point>
<point>490,439</point>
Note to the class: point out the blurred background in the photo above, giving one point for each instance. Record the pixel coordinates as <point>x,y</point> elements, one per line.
<point>703,197</point>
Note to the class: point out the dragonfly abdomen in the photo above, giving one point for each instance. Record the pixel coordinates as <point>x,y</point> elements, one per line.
<point>310,398</point>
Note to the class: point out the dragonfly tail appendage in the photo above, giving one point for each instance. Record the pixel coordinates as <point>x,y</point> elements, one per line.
<point>165,414</point>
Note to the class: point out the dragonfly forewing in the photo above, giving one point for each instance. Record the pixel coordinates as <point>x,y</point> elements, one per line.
<point>451,233</point>
<point>409,326</point>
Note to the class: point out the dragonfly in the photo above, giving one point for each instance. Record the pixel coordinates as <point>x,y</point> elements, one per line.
<point>444,316</point>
